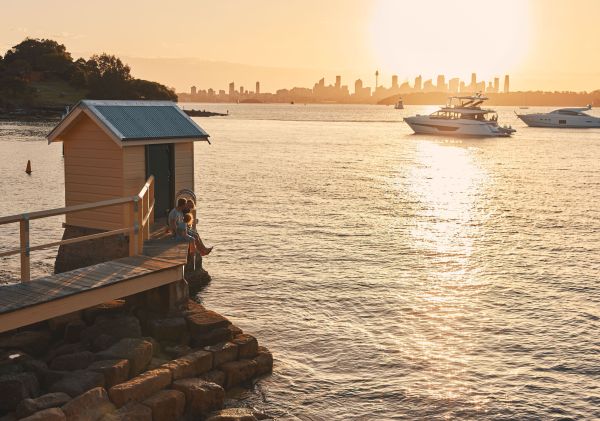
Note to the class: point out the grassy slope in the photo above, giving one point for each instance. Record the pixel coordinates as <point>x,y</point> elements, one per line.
<point>56,93</point>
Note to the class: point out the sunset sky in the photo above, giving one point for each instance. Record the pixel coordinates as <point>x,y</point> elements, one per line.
<point>542,44</point>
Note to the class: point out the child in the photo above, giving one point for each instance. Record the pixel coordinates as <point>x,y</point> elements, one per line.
<point>181,233</point>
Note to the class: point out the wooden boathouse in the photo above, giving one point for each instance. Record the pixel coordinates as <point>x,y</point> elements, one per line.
<point>124,163</point>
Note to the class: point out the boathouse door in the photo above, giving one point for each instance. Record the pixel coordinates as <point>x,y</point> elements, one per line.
<point>160,163</point>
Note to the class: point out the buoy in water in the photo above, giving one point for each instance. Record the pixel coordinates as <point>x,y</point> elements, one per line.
<point>28,169</point>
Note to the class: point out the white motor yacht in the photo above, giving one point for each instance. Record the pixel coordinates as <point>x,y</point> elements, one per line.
<point>466,118</point>
<point>564,117</point>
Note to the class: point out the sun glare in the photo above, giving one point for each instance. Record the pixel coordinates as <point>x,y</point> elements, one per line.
<point>432,37</point>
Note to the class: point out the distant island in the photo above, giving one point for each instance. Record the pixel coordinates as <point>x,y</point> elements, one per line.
<point>39,78</point>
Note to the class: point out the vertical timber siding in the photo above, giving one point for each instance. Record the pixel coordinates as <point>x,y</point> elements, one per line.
<point>184,166</point>
<point>93,172</point>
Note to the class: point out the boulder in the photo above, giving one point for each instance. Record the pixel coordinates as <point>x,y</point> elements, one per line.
<point>247,345</point>
<point>102,342</point>
<point>234,330</point>
<point>190,365</point>
<point>156,362</point>
<point>172,329</point>
<point>202,321</point>
<point>89,406</point>
<point>51,414</point>
<point>16,387</point>
<point>30,406</point>
<point>201,396</point>
<point>64,348</point>
<point>166,405</point>
<point>75,361</point>
<point>155,345</point>
<point>140,387</point>
<point>118,327</point>
<point>114,371</point>
<point>214,376</point>
<point>58,324</point>
<point>215,336</point>
<point>131,412</point>
<point>223,353</point>
<point>137,351</point>
<point>233,414</point>
<point>73,331</point>
<point>176,351</point>
<point>74,383</point>
<point>238,372</point>
<point>264,361</point>
<point>110,308</point>
<point>33,342</point>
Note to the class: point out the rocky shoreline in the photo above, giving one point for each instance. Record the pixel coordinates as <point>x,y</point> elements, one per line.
<point>139,358</point>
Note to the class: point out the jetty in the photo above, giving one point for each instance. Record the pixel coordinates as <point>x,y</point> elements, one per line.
<point>113,333</point>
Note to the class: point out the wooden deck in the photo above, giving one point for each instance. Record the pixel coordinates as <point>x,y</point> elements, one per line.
<point>162,262</point>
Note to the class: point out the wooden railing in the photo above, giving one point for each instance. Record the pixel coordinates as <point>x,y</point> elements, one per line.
<point>141,210</point>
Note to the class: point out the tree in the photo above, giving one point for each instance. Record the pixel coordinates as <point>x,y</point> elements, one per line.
<point>42,55</point>
<point>108,77</point>
<point>144,89</point>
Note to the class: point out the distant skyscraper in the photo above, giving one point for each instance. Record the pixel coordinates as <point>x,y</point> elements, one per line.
<point>496,84</point>
<point>394,81</point>
<point>232,89</point>
<point>441,83</point>
<point>506,84</point>
<point>428,86</point>
<point>473,81</point>
<point>193,90</point>
<point>241,90</point>
<point>462,86</point>
<point>376,79</point>
<point>338,82</point>
<point>418,82</point>
<point>453,84</point>
<point>358,87</point>
<point>490,87</point>
<point>257,88</point>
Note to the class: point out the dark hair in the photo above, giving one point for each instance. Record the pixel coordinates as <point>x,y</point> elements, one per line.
<point>181,202</point>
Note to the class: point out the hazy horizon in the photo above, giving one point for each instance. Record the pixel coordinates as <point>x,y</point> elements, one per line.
<point>542,45</point>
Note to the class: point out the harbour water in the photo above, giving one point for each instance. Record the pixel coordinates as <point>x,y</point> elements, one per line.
<point>393,276</point>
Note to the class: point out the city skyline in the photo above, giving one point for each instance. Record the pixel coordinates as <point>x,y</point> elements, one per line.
<point>544,45</point>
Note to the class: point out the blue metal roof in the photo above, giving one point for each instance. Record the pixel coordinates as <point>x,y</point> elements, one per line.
<point>145,120</point>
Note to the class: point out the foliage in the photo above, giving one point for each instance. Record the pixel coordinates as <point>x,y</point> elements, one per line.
<point>34,62</point>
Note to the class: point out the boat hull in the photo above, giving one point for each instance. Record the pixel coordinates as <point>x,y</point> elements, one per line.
<point>456,127</point>
<point>560,121</point>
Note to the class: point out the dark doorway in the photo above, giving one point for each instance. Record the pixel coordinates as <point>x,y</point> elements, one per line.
<point>160,163</point>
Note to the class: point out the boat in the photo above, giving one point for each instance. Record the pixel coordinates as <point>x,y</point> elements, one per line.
<point>399,105</point>
<point>563,117</point>
<point>462,116</point>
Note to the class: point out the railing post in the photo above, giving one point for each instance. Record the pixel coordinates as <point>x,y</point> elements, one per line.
<point>132,221</point>
<point>24,240</point>
<point>151,201</point>
<point>140,225</point>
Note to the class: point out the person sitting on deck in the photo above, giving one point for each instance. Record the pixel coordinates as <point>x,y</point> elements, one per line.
<point>181,233</point>
<point>176,216</point>
<point>202,249</point>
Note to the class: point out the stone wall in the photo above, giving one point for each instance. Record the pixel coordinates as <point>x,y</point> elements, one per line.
<point>129,359</point>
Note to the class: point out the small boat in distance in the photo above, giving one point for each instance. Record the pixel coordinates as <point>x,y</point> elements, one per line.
<point>466,118</point>
<point>399,105</point>
<point>573,118</point>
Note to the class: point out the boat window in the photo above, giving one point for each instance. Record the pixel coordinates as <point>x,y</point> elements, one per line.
<point>568,112</point>
<point>562,121</point>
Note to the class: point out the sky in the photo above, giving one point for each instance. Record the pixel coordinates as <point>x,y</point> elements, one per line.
<point>541,44</point>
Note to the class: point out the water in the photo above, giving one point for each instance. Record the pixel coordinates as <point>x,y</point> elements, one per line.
<point>393,276</point>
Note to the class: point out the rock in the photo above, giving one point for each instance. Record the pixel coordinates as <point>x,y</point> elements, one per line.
<point>238,372</point>
<point>233,414</point>
<point>51,414</point>
<point>201,396</point>
<point>110,308</point>
<point>247,345</point>
<point>73,331</point>
<point>140,387</point>
<point>65,349</point>
<point>16,387</point>
<point>137,351</point>
<point>264,361</point>
<point>11,416</point>
<point>155,345</point>
<point>223,353</point>
<point>102,342</point>
<point>118,327</point>
<point>75,383</point>
<point>89,406</point>
<point>176,351</point>
<point>172,329</point>
<point>234,330</point>
<point>214,376</point>
<point>33,342</point>
<point>131,412</point>
<point>114,371</point>
<point>190,365</point>
<point>156,362</point>
<point>215,336</point>
<point>30,406</point>
<point>70,362</point>
<point>60,322</point>
<point>166,405</point>
<point>202,321</point>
